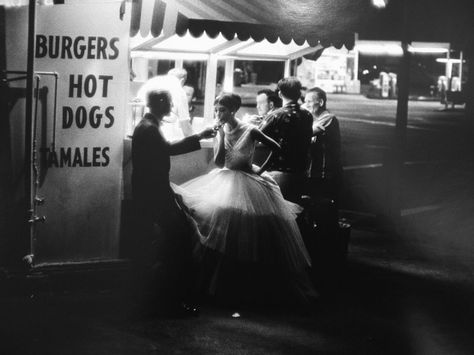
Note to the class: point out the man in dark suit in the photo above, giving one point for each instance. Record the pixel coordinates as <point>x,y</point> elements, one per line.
<point>290,126</point>
<point>163,247</point>
<point>326,165</point>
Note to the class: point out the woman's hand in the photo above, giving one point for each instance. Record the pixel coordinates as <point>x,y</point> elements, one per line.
<point>259,136</point>
<point>219,126</point>
<point>257,169</point>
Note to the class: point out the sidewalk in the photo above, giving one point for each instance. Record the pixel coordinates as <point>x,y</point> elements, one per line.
<point>390,301</point>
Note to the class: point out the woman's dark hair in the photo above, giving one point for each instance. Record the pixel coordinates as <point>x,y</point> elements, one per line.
<point>231,101</point>
<point>159,100</point>
<point>321,95</point>
<point>290,88</point>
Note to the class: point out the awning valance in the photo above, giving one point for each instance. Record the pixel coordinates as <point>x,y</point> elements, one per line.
<point>315,22</point>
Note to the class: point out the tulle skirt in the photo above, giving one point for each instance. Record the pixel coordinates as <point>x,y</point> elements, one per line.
<point>245,217</point>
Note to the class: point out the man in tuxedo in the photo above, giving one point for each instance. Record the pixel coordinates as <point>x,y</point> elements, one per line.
<point>291,127</point>
<point>164,240</point>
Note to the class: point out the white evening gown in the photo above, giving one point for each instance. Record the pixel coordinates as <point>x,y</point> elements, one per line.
<point>244,215</point>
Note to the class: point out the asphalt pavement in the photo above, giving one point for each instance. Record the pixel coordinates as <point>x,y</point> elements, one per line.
<point>388,300</point>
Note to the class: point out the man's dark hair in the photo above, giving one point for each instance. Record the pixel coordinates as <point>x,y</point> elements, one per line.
<point>231,101</point>
<point>290,88</point>
<point>321,95</point>
<point>272,96</point>
<point>160,100</point>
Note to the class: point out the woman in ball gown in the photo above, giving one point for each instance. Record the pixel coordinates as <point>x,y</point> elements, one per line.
<point>251,244</point>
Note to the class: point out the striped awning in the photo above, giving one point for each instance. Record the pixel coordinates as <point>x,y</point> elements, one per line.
<point>316,22</point>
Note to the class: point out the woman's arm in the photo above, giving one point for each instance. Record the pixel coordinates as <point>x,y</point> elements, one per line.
<point>219,149</point>
<point>270,143</point>
<point>261,137</point>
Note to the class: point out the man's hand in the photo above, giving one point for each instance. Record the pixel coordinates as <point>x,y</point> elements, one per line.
<point>207,133</point>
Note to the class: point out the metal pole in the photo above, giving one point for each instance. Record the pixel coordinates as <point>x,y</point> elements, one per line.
<point>394,163</point>
<point>229,75</point>
<point>286,72</point>
<point>178,63</point>
<point>210,88</point>
<point>28,121</point>
<point>446,69</point>
<point>5,144</point>
<point>402,104</point>
<point>356,58</point>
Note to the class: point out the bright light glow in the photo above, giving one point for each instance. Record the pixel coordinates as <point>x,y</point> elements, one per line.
<point>428,47</point>
<point>379,4</point>
<point>427,50</point>
<point>381,48</point>
<point>446,60</point>
<point>365,71</point>
<point>392,48</point>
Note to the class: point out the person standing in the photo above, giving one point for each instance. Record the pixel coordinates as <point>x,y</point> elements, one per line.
<point>163,245</point>
<point>291,127</point>
<point>181,102</point>
<point>249,234</point>
<point>326,166</point>
<point>177,123</point>
<point>191,97</point>
<point>267,101</point>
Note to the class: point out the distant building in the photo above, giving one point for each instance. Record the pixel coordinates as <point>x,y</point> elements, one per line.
<point>364,69</point>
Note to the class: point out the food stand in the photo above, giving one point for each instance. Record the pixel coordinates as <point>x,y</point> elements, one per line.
<point>77,128</point>
<point>80,130</point>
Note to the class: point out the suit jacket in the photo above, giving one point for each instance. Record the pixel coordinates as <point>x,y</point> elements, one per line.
<point>151,153</point>
<point>326,148</point>
<point>291,127</point>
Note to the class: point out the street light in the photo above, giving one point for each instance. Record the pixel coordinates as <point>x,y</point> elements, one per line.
<point>379,4</point>
<point>449,60</point>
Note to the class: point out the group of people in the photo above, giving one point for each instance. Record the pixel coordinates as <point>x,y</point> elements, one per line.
<point>233,232</point>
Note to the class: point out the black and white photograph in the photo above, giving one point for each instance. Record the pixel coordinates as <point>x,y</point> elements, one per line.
<point>236,177</point>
